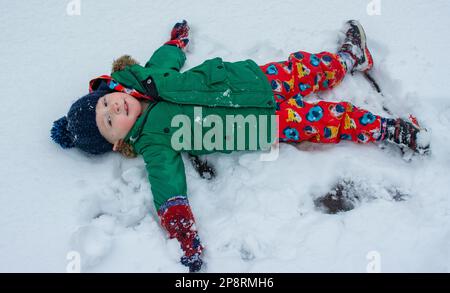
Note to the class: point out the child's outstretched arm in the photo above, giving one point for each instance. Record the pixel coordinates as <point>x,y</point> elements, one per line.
<point>171,54</point>
<point>167,178</point>
<point>169,57</point>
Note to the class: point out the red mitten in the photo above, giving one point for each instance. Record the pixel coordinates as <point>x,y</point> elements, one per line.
<point>180,35</point>
<point>177,218</point>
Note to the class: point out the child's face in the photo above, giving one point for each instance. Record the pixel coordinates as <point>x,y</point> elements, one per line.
<point>115,116</point>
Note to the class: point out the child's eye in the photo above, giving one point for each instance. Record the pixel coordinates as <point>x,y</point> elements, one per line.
<point>106,105</point>
<point>109,121</point>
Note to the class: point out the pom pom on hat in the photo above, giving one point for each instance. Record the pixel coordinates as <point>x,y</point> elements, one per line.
<point>60,134</point>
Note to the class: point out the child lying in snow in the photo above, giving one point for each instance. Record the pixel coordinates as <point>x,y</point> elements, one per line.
<point>133,110</point>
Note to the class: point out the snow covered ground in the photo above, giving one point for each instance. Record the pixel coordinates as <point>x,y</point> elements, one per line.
<point>256,216</point>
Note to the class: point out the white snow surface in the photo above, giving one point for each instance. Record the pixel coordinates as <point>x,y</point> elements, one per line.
<point>255,216</point>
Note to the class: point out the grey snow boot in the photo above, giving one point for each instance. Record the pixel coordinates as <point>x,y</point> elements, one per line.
<point>355,45</point>
<point>406,135</point>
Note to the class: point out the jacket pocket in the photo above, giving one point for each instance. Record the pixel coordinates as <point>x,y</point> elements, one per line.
<point>217,73</point>
<point>212,71</point>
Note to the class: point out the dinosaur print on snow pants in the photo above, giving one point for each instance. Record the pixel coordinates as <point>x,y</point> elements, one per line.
<point>322,122</point>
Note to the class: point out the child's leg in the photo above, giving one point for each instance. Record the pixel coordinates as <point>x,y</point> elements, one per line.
<point>327,122</point>
<point>304,73</point>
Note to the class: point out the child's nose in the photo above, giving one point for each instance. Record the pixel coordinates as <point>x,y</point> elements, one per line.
<point>116,108</point>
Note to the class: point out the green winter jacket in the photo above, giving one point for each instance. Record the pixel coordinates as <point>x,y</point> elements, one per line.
<point>204,96</point>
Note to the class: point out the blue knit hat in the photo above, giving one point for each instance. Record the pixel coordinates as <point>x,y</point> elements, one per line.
<point>79,128</point>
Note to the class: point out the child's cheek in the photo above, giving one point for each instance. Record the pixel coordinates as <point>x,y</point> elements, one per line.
<point>130,122</point>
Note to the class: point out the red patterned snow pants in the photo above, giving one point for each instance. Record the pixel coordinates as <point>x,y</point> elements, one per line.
<point>323,122</point>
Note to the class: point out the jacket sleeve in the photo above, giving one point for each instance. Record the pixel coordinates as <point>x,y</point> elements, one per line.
<point>166,173</point>
<point>167,57</point>
<point>168,184</point>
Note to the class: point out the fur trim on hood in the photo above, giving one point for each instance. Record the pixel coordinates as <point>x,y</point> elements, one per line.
<point>122,62</point>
